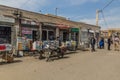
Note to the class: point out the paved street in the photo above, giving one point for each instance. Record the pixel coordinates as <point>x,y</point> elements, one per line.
<point>99,65</point>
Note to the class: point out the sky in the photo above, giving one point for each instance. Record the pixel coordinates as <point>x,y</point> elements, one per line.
<point>76,10</point>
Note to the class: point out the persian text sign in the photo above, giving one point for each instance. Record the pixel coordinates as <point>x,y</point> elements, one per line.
<point>26,30</point>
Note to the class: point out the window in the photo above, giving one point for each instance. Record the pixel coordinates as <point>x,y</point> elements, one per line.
<point>51,35</point>
<point>48,35</point>
<point>65,36</point>
<point>44,35</point>
<point>5,35</point>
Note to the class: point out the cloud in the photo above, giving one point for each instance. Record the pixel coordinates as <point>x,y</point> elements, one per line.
<point>25,4</point>
<point>88,20</point>
<point>79,2</point>
<point>112,18</point>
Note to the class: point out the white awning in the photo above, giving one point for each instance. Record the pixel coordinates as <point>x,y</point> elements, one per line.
<point>91,31</point>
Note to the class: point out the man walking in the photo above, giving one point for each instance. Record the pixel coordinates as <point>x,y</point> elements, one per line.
<point>109,43</point>
<point>92,42</point>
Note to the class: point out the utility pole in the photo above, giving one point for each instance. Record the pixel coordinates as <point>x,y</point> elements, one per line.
<point>97,17</point>
<point>56,9</point>
<point>97,24</point>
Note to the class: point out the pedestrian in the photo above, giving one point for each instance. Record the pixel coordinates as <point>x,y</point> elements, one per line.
<point>109,42</point>
<point>101,43</point>
<point>116,43</point>
<point>61,48</point>
<point>92,42</point>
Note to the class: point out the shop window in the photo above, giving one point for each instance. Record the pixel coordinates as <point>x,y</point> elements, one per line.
<point>65,36</point>
<point>51,35</point>
<point>34,35</point>
<point>5,35</point>
<point>72,36</point>
<point>44,35</point>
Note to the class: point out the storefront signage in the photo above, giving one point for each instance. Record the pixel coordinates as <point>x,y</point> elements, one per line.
<point>91,31</point>
<point>2,47</point>
<point>6,19</point>
<point>26,30</point>
<point>49,24</point>
<point>5,47</point>
<point>62,26</point>
<point>75,29</point>
<point>8,47</point>
<point>29,22</point>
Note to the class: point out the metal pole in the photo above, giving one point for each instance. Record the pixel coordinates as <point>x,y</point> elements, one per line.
<point>56,9</point>
<point>97,17</point>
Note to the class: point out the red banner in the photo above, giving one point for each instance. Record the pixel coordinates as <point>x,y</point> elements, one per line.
<point>2,47</point>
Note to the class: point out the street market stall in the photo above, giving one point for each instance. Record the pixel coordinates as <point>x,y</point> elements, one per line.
<point>7,52</point>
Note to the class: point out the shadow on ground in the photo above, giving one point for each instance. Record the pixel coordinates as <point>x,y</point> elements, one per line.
<point>6,63</point>
<point>55,58</point>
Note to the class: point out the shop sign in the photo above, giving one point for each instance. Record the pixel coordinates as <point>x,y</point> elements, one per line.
<point>2,47</point>
<point>6,19</point>
<point>5,47</point>
<point>91,31</point>
<point>8,47</point>
<point>62,26</point>
<point>49,24</point>
<point>29,22</point>
<point>74,29</point>
<point>26,30</point>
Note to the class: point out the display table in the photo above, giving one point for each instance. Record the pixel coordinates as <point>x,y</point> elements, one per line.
<point>7,52</point>
<point>71,45</point>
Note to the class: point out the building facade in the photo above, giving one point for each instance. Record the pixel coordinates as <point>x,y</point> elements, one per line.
<point>20,28</point>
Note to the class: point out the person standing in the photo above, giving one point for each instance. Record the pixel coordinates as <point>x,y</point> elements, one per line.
<point>109,43</point>
<point>61,48</point>
<point>116,43</point>
<point>92,42</point>
<point>101,43</point>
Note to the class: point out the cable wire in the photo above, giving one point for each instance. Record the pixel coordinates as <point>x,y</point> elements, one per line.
<point>103,10</point>
<point>104,18</point>
<point>108,4</point>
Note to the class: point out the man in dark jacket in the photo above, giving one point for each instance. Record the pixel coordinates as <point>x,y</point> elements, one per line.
<point>109,43</point>
<point>92,42</point>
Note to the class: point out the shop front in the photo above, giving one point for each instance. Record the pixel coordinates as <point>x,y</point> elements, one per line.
<point>69,36</point>
<point>86,34</point>
<point>75,35</point>
<point>64,32</point>
<point>49,31</point>
<point>29,34</point>
<point>84,38</point>
<point>6,32</point>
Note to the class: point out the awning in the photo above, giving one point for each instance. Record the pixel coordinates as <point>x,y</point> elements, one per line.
<point>91,31</point>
